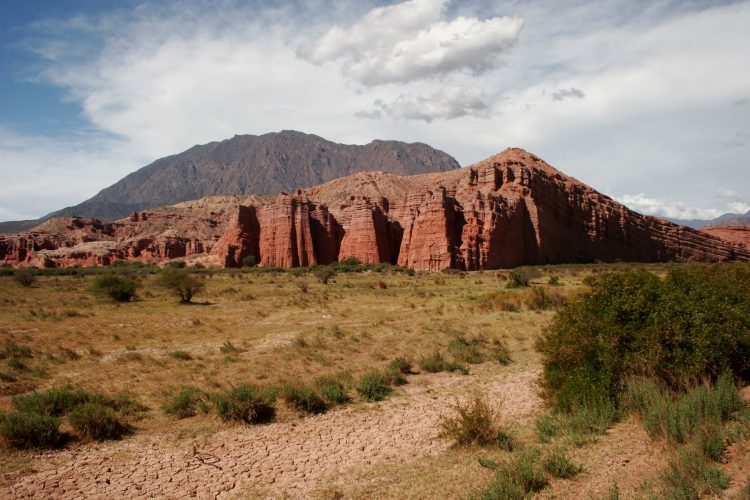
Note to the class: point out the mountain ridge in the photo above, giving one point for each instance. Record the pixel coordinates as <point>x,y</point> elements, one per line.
<point>248,164</point>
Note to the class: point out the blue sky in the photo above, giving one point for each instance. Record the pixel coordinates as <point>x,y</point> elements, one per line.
<point>647,101</point>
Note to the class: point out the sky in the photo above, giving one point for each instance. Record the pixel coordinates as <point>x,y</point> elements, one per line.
<point>646,101</point>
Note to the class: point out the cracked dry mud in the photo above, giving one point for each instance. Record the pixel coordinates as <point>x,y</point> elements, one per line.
<point>286,458</point>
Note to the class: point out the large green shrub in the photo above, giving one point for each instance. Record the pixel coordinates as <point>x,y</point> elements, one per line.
<point>96,421</point>
<point>30,430</point>
<point>181,283</point>
<point>115,286</point>
<point>246,403</point>
<point>678,329</point>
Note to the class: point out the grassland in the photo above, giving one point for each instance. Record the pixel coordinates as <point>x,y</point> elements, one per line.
<point>288,329</point>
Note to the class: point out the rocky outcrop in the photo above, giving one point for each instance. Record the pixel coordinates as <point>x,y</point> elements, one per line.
<point>739,235</point>
<point>509,210</point>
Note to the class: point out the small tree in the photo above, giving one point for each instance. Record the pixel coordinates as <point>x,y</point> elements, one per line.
<point>181,283</point>
<point>249,261</point>
<point>324,273</point>
<point>115,286</point>
<point>25,277</point>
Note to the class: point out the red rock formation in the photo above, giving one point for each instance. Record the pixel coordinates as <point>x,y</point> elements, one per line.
<point>739,235</point>
<point>509,210</point>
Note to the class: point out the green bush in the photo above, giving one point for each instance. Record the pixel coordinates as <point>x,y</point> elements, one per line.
<point>96,421</point>
<point>180,282</point>
<point>249,261</point>
<point>681,417</point>
<point>691,324</point>
<point>332,389</point>
<point>436,362</point>
<point>23,430</point>
<point>501,354</point>
<point>517,479</point>
<point>303,398</point>
<point>246,403</point>
<point>373,386</point>
<point>54,402</point>
<point>185,403</point>
<point>688,476</point>
<point>559,465</point>
<point>115,286</point>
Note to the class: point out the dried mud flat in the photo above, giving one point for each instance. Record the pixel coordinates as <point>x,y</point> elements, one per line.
<point>290,459</point>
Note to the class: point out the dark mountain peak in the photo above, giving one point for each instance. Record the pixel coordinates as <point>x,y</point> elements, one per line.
<point>253,164</point>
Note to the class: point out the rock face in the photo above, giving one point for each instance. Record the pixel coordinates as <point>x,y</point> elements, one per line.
<point>739,235</point>
<point>509,210</point>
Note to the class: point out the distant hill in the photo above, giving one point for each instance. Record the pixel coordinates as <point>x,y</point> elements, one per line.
<point>728,219</point>
<point>249,164</point>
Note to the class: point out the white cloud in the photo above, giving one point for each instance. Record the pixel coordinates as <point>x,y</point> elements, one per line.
<point>665,87</point>
<point>447,103</point>
<point>408,41</point>
<point>677,209</point>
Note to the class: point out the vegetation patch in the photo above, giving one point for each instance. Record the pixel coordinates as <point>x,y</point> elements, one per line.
<point>116,287</point>
<point>373,386</point>
<point>303,398</point>
<point>246,403</point>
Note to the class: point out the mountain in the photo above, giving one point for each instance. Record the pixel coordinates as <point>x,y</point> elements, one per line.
<point>249,164</point>
<point>509,210</point>
<point>728,219</point>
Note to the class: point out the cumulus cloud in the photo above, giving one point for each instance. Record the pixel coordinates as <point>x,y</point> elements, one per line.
<point>409,41</point>
<point>571,93</point>
<point>446,103</point>
<point>677,209</point>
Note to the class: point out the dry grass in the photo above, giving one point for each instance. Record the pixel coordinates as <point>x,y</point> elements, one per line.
<point>279,332</point>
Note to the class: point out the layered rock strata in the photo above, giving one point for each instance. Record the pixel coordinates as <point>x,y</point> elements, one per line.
<point>509,210</point>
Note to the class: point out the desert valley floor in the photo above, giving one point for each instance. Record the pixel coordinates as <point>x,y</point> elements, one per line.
<point>270,328</point>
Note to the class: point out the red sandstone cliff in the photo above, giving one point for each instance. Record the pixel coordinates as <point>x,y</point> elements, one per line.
<point>509,210</point>
<point>739,235</point>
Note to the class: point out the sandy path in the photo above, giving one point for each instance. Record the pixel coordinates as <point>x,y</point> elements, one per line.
<point>291,458</point>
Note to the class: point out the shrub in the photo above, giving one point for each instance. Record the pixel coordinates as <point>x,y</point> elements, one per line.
<point>501,354</point>
<point>465,350</point>
<point>181,355</point>
<point>436,362</point>
<point>96,421</point>
<point>517,478</point>
<point>23,430</point>
<point>698,413</point>
<point>401,365</point>
<point>53,402</point>
<point>688,325</point>
<point>474,423</point>
<point>25,277</point>
<point>246,403</point>
<point>324,273</point>
<point>13,350</point>
<point>176,264</point>
<point>518,278</point>
<point>303,398</point>
<point>184,403</point>
<point>115,286</point>
<point>249,261</point>
<point>373,386</point>
<point>559,465</point>
<point>689,476</point>
<point>180,282</point>
<point>553,280</point>
<point>332,390</point>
